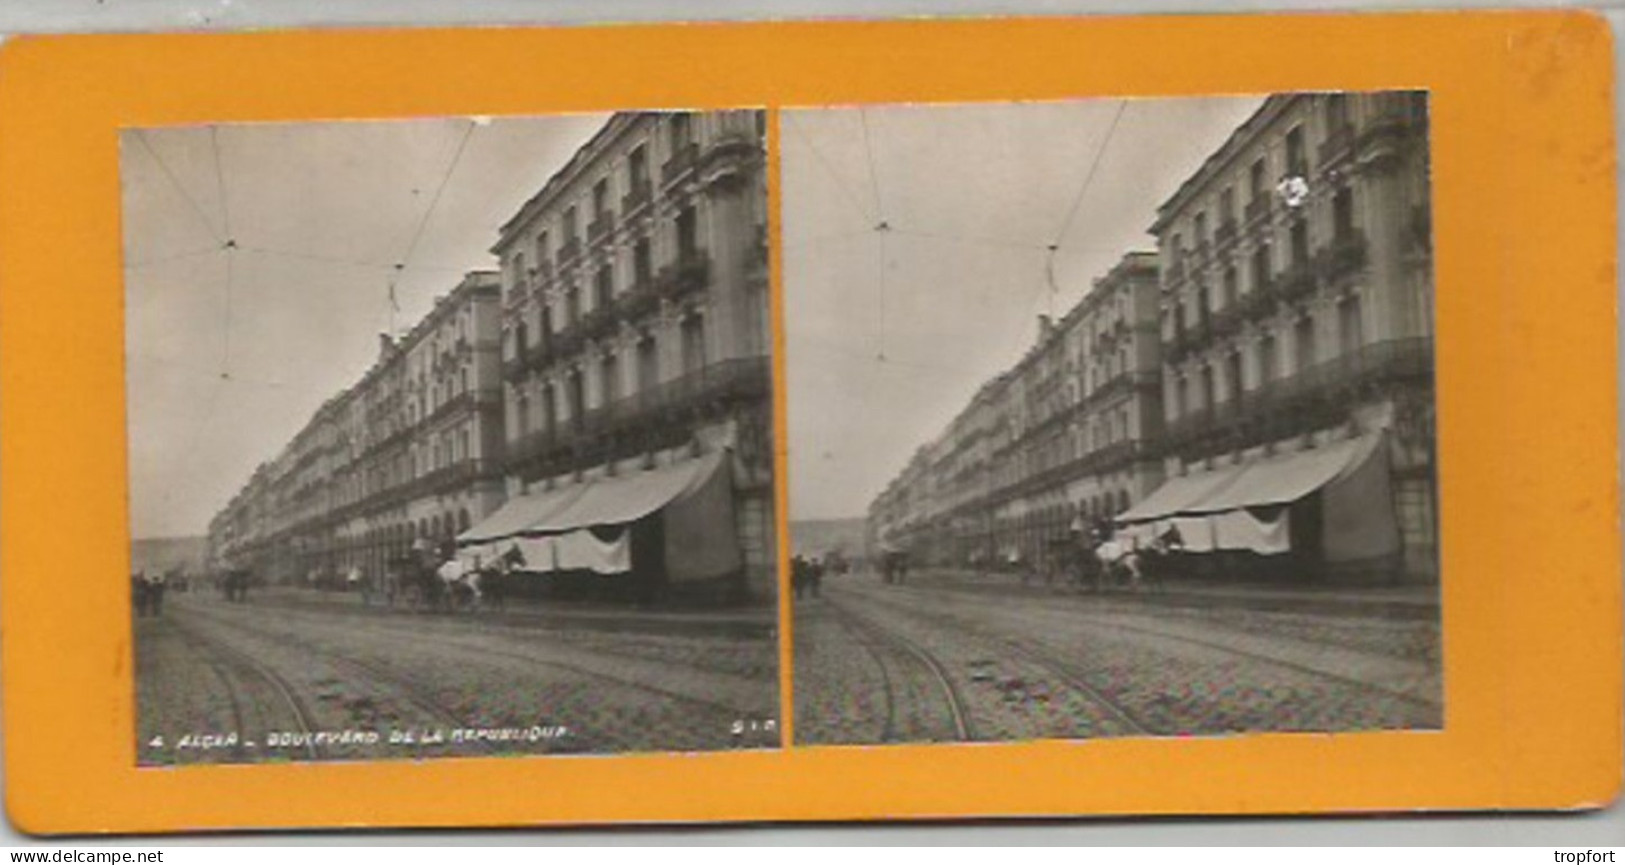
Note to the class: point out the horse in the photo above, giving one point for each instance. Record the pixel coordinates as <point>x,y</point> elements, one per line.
<point>1129,565</point>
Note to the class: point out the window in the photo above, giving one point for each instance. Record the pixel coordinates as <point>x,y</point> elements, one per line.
<point>687,232</point>
<point>1227,206</point>
<point>577,395</point>
<point>1233,374</point>
<point>1209,394</point>
<point>1296,164</point>
<point>518,271</point>
<point>1350,332</point>
<point>642,262</point>
<point>571,224</point>
<point>1255,180</point>
<point>545,333</point>
<point>572,307</point>
<point>610,379</point>
<point>1343,214</point>
<point>604,287</point>
<point>1266,358</point>
<point>682,133</point>
<point>1300,243</point>
<point>1230,288</point>
<point>522,415</point>
<point>637,167</point>
<point>550,408</point>
<point>600,199</point>
<point>648,363</point>
<point>693,332</point>
<point>1304,335</point>
<point>541,247</point>
<point>1336,108</point>
<point>1200,228</point>
<point>1261,269</point>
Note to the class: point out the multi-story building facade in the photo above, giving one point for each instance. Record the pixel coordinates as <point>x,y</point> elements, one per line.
<point>1053,446</point>
<point>1297,312</point>
<point>635,323</point>
<point>408,456</point>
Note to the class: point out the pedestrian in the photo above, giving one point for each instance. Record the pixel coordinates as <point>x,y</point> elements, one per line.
<point>155,593</point>
<point>138,592</point>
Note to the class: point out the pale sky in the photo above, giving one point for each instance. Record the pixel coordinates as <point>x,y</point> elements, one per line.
<point>219,380</point>
<point>973,195</point>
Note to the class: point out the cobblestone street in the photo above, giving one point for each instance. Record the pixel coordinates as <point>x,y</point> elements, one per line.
<point>947,659</point>
<point>296,676</point>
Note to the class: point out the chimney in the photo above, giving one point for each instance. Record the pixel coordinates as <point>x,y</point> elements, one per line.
<point>386,343</point>
<point>1045,326</point>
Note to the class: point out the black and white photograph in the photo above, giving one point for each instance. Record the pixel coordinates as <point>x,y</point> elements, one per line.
<point>1111,418</point>
<point>450,437</point>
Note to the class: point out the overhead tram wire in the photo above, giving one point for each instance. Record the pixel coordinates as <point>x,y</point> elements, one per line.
<point>423,223</point>
<point>882,228</point>
<point>840,183</point>
<point>1077,202</point>
<point>229,246</point>
<point>203,216</point>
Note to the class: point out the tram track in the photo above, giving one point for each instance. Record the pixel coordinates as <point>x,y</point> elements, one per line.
<point>482,652</point>
<point>872,637</point>
<point>297,709</point>
<point>1042,653</point>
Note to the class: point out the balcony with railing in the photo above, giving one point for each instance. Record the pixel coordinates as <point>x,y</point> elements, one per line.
<point>569,251</point>
<point>636,198</point>
<point>1224,235</point>
<point>1176,268</point>
<point>599,321</point>
<point>688,274</point>
<point>469,400</point>
<point>540,276</point>
<point>658,408</point>
<point>682,161</point>
<point>1297,281</point>
<point>569,341</point>
<point>601,227</point>
<point>1314,398</point>
<point>639,299</point>
<point>1338,146</point>
<point>1343,256</point>
<point>1226,322</point>
<point>1419,230</point>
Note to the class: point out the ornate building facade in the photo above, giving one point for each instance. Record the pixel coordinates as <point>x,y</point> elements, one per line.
<point>411,454</point>
<point>635,327</point>
<point>1297,288</point>
<point>1059,442</point>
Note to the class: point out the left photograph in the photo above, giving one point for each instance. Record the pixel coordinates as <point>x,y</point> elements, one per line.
<point>450,438</point>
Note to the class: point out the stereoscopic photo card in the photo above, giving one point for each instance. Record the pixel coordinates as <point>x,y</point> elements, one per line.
<point>898,420</point>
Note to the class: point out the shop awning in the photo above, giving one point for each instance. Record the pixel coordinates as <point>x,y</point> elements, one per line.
<point>520,513</point>
<point>628,497</point>
<point>1284,479</point>
<point>1179,494</point>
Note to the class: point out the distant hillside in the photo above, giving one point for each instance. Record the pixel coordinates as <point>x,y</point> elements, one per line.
<point>816,537</point>
<point>162,554</point>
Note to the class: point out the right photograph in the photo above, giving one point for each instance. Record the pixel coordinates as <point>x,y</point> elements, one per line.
<point>1111,417</point>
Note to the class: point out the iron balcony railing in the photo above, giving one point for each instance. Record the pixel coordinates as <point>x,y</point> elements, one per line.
<point>569,251</point>
<point>737,379</point>
<point>635,198</point>
<point>601,227</point>
<point>1258,209</point>
<point>1346,254</point>
<point>639,299</point>
<point>1338,146</point>
<point>1297,402</point>
<point>689,273</point>
<point>682,161</point>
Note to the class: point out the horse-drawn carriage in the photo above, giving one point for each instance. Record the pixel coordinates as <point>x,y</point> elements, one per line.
<point>1108,565</point>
